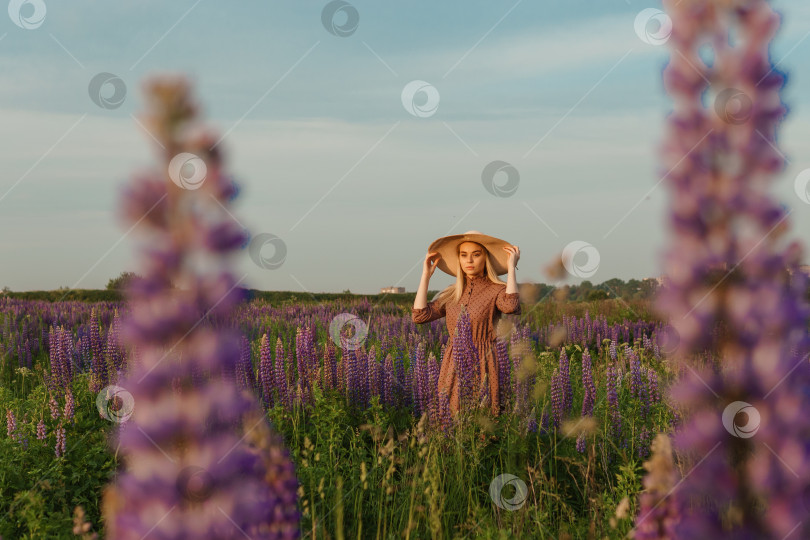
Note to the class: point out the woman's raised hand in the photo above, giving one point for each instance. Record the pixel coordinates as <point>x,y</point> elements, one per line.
<point>514,256</point>
<point>429,266</point>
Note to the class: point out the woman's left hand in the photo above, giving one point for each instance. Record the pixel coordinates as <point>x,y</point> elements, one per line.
<point>514,256</point>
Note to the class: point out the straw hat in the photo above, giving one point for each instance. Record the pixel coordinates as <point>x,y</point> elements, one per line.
<point>447,247</point>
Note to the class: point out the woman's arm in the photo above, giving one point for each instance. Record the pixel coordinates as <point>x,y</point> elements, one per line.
<point>428,267</point>
<point>422,310</point>
<point>511,266</point>
<point>511,281</point>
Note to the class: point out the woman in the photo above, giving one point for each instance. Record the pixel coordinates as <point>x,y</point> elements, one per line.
<point>476,260</point>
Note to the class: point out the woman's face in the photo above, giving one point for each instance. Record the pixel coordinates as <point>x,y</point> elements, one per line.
<point>472,258</point>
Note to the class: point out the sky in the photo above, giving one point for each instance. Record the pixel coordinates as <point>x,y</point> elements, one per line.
<point>358,132</point>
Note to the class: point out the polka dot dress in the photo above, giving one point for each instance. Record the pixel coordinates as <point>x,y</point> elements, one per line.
<point>486,301</point>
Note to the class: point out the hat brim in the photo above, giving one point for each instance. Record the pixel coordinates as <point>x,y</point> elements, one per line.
<point>447,246</point>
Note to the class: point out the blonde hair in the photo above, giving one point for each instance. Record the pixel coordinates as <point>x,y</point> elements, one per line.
<point>453,292</point>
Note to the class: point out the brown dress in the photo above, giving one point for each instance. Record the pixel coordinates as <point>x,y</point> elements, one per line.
<point>486,301</point>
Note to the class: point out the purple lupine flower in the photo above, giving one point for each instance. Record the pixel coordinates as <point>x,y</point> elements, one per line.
<point>210,445</point>
<point>350,360</point>
<point>433,383</point>
<point>98,378</point>
<point>330,366</point>
<point>54,408</point>
<point>116,362</point>
<point>245,377</point>
<point>466,362</point>
<point>11,424</point>
<point>733,288</point>
<point>302,365</point>
<point>266,371</point>
<point>532,423</point>
<point>420,403</point>
<point>589,398</point>
<point>373,370</point>
<point>41,431</point>
<point>644,437</point>
<point>61,441</point>
<point>69,407</point>
<point>652,383</point>
<point>565,382</point>
<point>61,375</point>
<point>340,369</point>
<point>612,350</point>
<point>400,382</point>
<point>280,374</point>
<point>612,382</point>
<point>581,443</point>
<point>504,374</point>
<point>362,380</point>
<point>644,399</point>
<point>635,373</point>
<point>557,397</point>
<point>388,380</point>
<point>446,418</point>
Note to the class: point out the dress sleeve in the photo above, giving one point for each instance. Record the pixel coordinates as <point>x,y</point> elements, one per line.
<point>429,313</point>
<point>508,302</point>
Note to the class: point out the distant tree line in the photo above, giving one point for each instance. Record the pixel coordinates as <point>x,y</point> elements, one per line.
<point>633,289</point>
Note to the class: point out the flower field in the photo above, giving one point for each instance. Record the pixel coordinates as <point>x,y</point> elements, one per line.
<point>374,452</point>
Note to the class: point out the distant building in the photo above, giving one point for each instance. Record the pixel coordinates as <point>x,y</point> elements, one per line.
<point>388,290</point>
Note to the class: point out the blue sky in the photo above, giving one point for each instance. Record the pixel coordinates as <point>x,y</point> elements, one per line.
<point>328,157</point>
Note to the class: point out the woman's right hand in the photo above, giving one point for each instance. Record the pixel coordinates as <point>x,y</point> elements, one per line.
<point>431,261</point>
